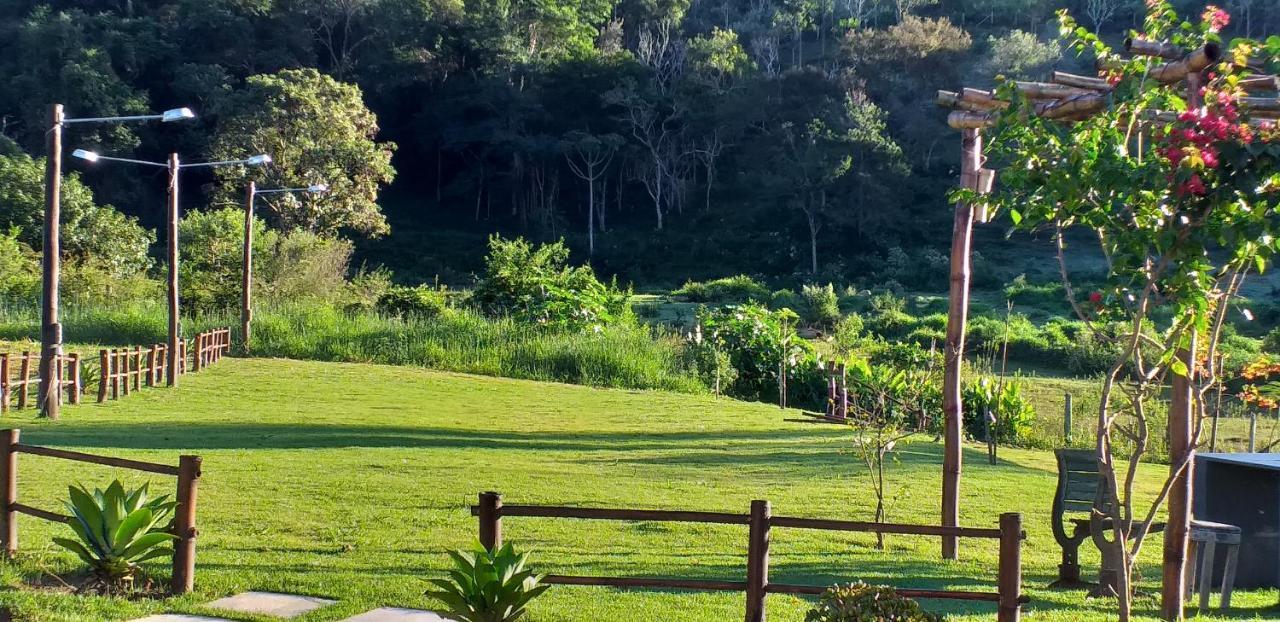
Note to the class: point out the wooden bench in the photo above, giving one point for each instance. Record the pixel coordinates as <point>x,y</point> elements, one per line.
<point>1081,490</point>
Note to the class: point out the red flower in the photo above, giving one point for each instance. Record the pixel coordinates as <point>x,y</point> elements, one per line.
<point>1216,18</point>
<point>1210,157</point>
<point>1095,297</point>
<point>1193,186</point>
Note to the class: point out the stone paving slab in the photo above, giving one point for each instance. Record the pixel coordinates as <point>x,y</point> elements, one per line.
<point>270,603</point>
<point>178,617</point>
<point>395,614</point>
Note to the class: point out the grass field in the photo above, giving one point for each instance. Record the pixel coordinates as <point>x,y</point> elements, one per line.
<point>352,481</point>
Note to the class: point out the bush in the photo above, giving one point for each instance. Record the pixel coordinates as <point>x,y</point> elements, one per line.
<point>489,587</point>
<point>19,268</point>
<point>1272,341</point>
<point>1014,414</point>
<point>733,289</point>
<point>756,341</point>
<point>421,301</point>
<point>821,306</point>
<point>859,602</point>
<point>784,299</point>
<point>537,286</point>
<point>847,334</point>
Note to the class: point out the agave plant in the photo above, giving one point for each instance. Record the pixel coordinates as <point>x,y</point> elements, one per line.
<point>488,587</point>
<point>117,529</point>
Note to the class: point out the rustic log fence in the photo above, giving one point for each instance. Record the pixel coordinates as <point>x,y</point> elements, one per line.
<point>121,371</point>
<point>760,521</point>
<point>125,370</point>
<point>187,473</point>
<point>22,390</point>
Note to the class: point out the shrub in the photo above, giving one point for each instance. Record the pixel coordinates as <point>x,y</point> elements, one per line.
<point>303,265</point>
<point>489,587</point>
<point>821,306</point>
<point>859,602</point>
<point>537,286</point>
<point>421,301</point>
<point>1272,341</point>
<point>891,324</point>
<point>757,340</point>
<point>847,334</point>
<point>117,530</point>
<point>365,289</point>
<point>733,289</point>
<point>1014,414</point>
<point>19,268</point>
<point>784,299</point>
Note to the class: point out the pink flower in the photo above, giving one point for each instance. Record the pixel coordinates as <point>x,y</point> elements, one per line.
<point>1193,186</point>
<point>1095,297</point>
<point>1210,157</point>
<point>1216,18</point>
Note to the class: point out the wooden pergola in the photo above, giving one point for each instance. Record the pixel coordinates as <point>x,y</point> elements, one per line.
<point>1068,98</point>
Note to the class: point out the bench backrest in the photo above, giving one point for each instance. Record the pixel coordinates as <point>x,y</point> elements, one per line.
<point>1078,481</point>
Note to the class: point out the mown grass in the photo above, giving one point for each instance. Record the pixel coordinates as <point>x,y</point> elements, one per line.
<point>351,481</point>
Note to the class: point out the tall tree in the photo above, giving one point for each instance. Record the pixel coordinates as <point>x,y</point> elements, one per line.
<point>317,130</point>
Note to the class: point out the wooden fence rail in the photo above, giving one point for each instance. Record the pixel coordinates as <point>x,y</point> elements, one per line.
<point>126,370</point>
<point>187,473</point>
<point>760,521</point>
<point>21,390</point>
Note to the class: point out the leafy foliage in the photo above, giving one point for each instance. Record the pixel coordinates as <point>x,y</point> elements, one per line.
<point>733,289</point>
<point>420,301</point>
<point>117,529</point>
<point>317,131</point>
<point>859,602</point>
<point>1014,415</point>
<point>760,344</point>
<point>489,587</point>
<point>536,285</point>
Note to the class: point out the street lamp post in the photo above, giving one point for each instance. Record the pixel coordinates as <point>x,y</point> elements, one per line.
<point>50,326</point>
<point>174,166</point>
<point>246,279</point>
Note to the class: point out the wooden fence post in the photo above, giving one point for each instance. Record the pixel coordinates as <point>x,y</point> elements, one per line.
<point>24,377</point>
<point>104,375</point>
<point>54,386</point>
<point>1066,421</point>
<point>4,382</point>
<point>137,368</point>
<point>758,560</point>
<point>9,479</point>
<point>184,525</point>
<point>1010,582</point>
<point>115,374</point>
<point>491,520</point>
<point>76,387</point>
<point>124,371</point>
<point>1253,432</point>
<point>151,366</point>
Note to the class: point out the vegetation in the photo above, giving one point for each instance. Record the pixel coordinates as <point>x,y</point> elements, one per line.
<point>116,530</point>
<point>859,602</point>
<point>489,586</point>
<point>420,467</point>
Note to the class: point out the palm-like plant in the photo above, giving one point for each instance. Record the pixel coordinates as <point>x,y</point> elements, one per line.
<point>489,587</point>
<point>117,529</point>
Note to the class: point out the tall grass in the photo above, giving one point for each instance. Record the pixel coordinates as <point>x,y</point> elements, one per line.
<point>631,357</point>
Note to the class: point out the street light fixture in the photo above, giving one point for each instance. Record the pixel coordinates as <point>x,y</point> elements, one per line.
<point>246,281</point>
<point>174,166</point>
<point>50,326</point>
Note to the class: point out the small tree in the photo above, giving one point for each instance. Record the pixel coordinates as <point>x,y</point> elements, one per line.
<point>1159,178</point>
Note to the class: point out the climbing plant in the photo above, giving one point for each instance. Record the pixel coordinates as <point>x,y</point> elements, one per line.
<point>1178,179</point>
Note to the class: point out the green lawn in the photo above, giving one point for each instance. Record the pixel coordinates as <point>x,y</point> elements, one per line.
<point>351,481</point>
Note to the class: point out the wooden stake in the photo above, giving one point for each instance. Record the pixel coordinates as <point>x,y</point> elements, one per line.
<point>4,382</point>
<point>104,375</point>
<point>491,520</point>
<point>198,361</point>
<point>24,377</point>
<point>184,521</point>
<point>9,481</point>
<point>76,387</point>
<point>1010,581</point>
<point>758,560</point>
<point>953,357</point>
<point>50,328</point>
<point>115,373</point>
<point>1181,447</point>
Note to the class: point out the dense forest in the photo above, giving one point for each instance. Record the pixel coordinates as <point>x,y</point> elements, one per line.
<point>665,139</point>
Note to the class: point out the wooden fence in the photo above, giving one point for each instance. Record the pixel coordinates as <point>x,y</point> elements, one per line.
<point>23,388</point>
<point>184,523</point>
<point>760,521</point>
<point>121,371</point>
<point>127,370</point>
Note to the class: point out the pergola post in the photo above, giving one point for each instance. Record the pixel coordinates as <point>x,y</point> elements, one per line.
<point>953,356</point>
